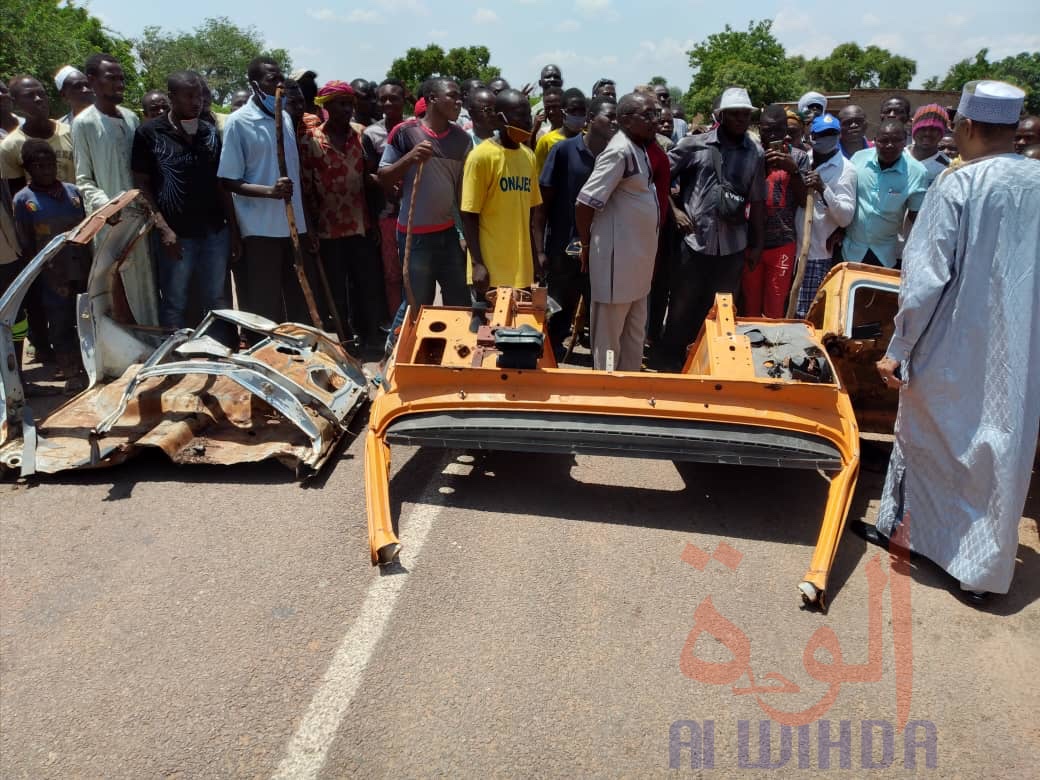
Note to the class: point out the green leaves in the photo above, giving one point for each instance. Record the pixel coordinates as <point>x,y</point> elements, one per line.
<point>38,37</point>
<point>417,65</point>
<point>218,49</point>
<point>850,67</point>
<point>754,59</point>
<point>1021,69</point>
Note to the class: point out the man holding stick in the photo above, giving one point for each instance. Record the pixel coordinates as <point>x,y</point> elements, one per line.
<point>266,277</point>
<point>832,181</point>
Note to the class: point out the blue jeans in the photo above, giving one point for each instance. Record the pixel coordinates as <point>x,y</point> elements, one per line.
<point>436,258</point>
<point>202,265</point>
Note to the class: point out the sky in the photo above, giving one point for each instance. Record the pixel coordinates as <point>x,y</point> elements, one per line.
<point>627,40</point>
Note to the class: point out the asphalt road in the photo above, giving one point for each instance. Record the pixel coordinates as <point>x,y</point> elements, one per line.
<point>172,621</point>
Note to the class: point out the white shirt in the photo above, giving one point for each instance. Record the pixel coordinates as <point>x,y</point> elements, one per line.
<point>935,164</point>
<point>833,209</point>
<point>249,153</point>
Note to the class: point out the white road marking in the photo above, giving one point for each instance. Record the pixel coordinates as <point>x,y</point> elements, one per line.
<point>309,746</point>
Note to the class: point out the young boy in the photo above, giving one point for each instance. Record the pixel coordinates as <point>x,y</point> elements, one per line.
<point>43,209</point>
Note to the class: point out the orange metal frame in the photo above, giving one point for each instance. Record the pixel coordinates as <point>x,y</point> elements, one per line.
<point>438,366</point>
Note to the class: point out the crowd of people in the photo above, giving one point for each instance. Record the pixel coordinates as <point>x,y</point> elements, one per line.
<point>614,198</point>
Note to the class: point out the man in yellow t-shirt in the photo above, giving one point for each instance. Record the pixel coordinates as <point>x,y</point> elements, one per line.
<point>575,107</point>
<point>499,192</point>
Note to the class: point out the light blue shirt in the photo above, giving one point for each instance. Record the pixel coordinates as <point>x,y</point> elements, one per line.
<point>882,199</point>
<point>679,129</point>
<point>250,154</point>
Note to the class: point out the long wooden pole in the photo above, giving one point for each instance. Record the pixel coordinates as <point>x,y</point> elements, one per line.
<point>803,257</point>
<point>413,311</point>
<point>290,215</point>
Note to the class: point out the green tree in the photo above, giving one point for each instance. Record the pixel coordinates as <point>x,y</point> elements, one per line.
<point>40,36</point>
<point>851,67</point>
<point>753,59</point>
<point>675,92</point>
<point>960,72</point>
<point>217,48</point>
<point>1021,69</point>
<point>417,65</point>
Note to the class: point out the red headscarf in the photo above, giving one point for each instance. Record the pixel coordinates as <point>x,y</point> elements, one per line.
<point>333,90</point>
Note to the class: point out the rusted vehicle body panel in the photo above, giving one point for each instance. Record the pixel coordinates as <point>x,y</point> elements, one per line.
<point>855,309</point>
<point>289,397</point>
<point>753,391</point>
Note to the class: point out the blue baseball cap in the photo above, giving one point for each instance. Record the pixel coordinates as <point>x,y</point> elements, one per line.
<point>825,122</point>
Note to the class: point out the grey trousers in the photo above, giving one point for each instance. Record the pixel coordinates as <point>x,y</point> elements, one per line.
<point>620,327</point>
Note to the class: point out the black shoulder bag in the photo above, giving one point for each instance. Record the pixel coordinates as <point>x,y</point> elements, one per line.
<point>732,205</point>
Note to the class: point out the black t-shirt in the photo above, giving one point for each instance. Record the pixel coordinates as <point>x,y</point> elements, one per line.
<point>183,174</point>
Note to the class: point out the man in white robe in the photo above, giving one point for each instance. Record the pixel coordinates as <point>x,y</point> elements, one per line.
<point>965,354</point>
<point>102,139</point>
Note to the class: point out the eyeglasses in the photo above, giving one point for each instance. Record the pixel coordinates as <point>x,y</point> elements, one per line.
<point>649,116</point>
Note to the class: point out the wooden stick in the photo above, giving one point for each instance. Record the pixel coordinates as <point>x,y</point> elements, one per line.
<point>409,296</point>
<point>301,273</point>
<point>803,258</point>
<point>577,326</point>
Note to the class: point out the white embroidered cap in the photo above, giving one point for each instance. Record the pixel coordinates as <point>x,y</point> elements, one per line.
<point>992,102</point>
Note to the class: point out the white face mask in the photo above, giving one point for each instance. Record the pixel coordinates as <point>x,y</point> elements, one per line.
<point>189,126</point>
<point>825,144</point>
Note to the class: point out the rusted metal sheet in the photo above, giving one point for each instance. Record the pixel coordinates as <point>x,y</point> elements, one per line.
<point>290,396</point>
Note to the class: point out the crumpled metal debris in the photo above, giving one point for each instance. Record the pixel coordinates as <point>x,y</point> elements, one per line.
<point>290,396</point>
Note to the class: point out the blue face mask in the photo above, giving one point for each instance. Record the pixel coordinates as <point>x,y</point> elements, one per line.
<point>265,99</point>
<point>573,123</point>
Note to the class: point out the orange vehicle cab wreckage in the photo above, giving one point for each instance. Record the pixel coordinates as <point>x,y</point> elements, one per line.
<point>855,309</point>
<point>290,396</point>
<point>753,391</point>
